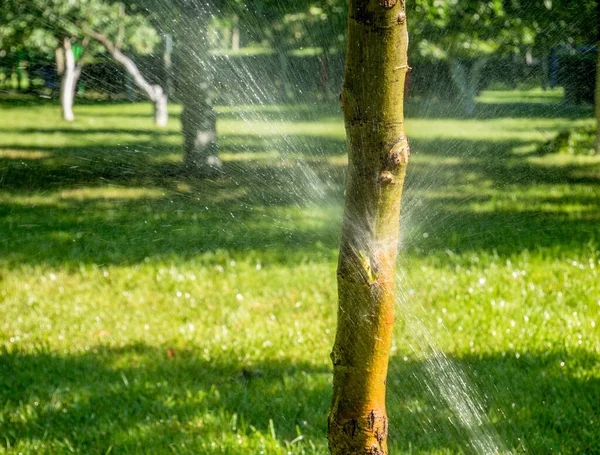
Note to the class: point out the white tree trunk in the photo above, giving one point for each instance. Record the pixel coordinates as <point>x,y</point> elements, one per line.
<point>235,34</point>
<point>161,114</point>
<point>70,76</point>
<point>154,92</point>
<point>467,82</point>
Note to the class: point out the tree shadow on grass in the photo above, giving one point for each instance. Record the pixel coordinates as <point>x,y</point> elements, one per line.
<point>111,206</point>
<point>138,398</point>
<point>437,109</point>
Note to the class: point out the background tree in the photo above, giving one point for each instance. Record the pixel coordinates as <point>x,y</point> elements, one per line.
<point>65,25</point>
<point>372,100</point>
<point>465,33</point>
<point>196,87</point>
<point>112,28</point>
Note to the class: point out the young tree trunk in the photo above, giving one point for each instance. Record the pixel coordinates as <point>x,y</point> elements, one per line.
<point>545,67</point>
<point>168,64</point>
<point>467,82</point>
<point>597,93</point>
<point>372,102</point>
<point>235,33</point>
<point>195,90</point>
<point>325,74</point>
<point>283,74</point>
<point>70,76</point>
<point>597,101</point>
<point>153,91</point>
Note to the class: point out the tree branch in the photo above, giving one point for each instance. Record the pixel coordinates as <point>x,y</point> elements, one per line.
<point>121,32</point>
<point>127,63</point>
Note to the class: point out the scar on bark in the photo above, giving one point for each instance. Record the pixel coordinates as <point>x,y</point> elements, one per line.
<point>371,420</point>
<point>387,3</point>
<point>400,152</point>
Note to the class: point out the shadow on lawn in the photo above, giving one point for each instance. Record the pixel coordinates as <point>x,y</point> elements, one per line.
<point>118,204</point>
<point>137,398</point>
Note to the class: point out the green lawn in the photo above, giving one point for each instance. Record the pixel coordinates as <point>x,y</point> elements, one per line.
<point>146,311</point>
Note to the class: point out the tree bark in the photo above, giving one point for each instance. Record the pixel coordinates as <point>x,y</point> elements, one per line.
<point>70,76</point>
<point>153,91</point>
<point>195,90</point>
<point>372,102</point>
<point>467,81</point>
<point>235,33</point>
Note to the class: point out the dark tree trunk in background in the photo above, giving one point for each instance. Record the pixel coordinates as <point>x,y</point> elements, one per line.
<point>235,33</point>
<point>372,102</point>
<point>597,93</point>
<point>168,64</point>
<point>467,81</point>
<point>325,74</point>
<point>283,74</point>
<point>71,71</point>
<point>545,67</point>
<point>195,90</point>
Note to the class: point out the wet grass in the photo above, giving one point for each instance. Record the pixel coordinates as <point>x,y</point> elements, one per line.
<point>148,311</point>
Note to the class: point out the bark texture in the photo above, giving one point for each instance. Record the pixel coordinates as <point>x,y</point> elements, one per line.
<point>153,91</point>
<point>71,71</point>
<point>372,102</point>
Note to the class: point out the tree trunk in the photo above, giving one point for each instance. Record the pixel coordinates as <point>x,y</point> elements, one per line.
<point>235,33</point>
<point>325,74</point>
<point>283,74</point>
<point>467,82</point>
<point>597,93</point>
<point>153,91</point>
<point>195,90</point>
<point>545,67</point>
<point>168,64</point>
<point>372,102</point>
<point>161,114</point>
<point>70,76</point>
<point>597,101</point>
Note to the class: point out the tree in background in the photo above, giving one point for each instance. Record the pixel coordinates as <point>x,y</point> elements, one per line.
<point>66,26</point>
<point>196,86</point>
<point>597,94</point>
<point>112,28</point>
<point>465,33</point>
<point>372,102</point>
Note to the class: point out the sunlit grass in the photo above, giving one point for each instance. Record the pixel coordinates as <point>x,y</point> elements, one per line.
<point>147,311</point>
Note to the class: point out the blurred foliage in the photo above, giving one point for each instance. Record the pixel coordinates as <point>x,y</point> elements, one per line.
<point>42,24</point>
